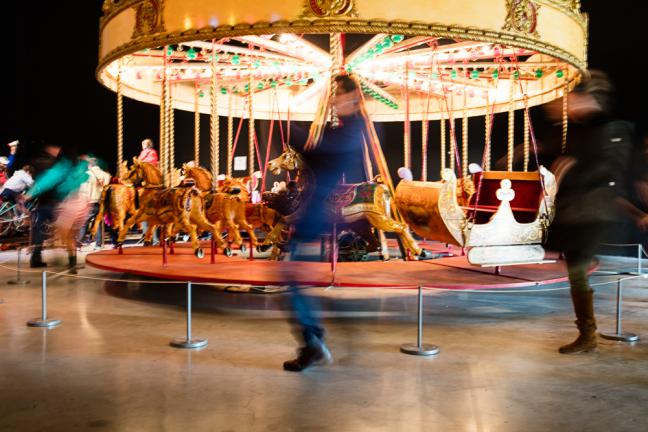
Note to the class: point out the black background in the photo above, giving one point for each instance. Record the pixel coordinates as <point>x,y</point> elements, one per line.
<point>51,94</point>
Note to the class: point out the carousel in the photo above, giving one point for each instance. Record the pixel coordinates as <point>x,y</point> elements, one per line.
<point>243,63</point>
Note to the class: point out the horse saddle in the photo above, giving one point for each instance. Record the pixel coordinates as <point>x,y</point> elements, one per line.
<point>342,196</point>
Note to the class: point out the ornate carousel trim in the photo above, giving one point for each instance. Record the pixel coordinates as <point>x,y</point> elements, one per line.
<point>342,26</point>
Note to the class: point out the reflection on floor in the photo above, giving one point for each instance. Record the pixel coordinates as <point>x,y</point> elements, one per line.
<point>109,365</point>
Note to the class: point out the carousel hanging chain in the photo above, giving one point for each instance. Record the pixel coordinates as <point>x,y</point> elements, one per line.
<point>230,137</point>
<point>526,138</point>
<point>511,130</point>
<point>443,143</point>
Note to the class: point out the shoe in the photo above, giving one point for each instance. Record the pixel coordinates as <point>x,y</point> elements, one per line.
<point>37,264</point>
<point>310,355</point>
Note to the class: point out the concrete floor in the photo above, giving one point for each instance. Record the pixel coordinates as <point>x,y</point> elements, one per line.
<point>109,366</point>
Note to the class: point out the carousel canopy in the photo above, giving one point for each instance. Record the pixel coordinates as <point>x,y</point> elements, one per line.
<point>414,59</point>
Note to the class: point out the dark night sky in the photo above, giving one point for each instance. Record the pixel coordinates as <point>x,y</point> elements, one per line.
<point>51,93</point>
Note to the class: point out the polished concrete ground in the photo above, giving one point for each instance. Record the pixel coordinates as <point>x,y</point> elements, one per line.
<point>109,365</point>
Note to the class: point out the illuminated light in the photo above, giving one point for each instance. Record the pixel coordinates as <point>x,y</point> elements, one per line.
<point>474,74</point>
<point>170,50</point>
<point>495,74</point>
<point>560,73</point>
<point>539,73</point>
<point>453,74</point>
<point>260,86</point>
<point>192,54</point>
<point>188,23</point>
<point>223,90</point>
<point>397,38</point>
<point>516,75</point>
<point>213,21</point>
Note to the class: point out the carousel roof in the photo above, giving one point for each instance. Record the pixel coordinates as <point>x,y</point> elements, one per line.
<point>412,58</point>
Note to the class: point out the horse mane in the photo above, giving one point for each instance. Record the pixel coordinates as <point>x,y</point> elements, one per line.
<point>201,176</point>
<point>152,175</point>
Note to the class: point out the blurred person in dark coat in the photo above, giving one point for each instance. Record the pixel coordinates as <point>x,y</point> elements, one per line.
<point>338,155</point>
<point>591,176</point>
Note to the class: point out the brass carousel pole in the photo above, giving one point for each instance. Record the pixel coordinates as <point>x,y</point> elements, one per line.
<point>453,147</point>
<point>196,125</point>
<point>214,124</point>
<point>163,129</point>
<point>565,117</point>
<point>120,123</point>
<point>171,126</point>
<point>335,41</point>
<point>251,131</point>
<point>407,138</point>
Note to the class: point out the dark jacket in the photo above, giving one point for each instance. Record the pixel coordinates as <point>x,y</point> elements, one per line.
<point>586,202</point>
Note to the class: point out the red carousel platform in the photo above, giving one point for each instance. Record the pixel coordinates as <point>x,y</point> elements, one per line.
<point>452,272</point>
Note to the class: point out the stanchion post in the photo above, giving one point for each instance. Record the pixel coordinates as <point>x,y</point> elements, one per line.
<point>334,253</point>
<point>639,256</point>
<point>19,280</point>
<point>251,257</point>
<point>189,342</point>
<point>619,335</point>
<point>420,349</point>
<point>43,321</point>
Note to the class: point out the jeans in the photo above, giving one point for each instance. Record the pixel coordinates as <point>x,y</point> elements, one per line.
<point>41,217</point>
<point>92,214</point>
<point>304,307</point>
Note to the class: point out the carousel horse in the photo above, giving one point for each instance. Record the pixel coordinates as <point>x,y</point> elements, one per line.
<point>230,205</point>
<point>350,203</point>
<point>225,210</point>
<point>181,207</point>
<point>117,201</point>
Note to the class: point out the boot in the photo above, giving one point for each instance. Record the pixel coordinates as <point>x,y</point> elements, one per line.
<point>72,264</point>
<point>36,260</point>
<point>584,308</point>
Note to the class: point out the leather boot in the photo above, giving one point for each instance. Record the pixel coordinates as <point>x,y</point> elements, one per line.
<point>72,264</point>
<point>584,308</point>
<point>36,260</point>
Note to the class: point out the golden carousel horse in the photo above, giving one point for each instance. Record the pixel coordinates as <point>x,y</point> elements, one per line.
<point>182,207</point>
<point>368,201</point>
<point>229,207</point>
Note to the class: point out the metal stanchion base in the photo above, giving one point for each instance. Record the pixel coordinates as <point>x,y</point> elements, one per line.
<point>423,350</point>
<point>623,337</point>
<point>18,282</point>
<point>50,323</point>
<point>189,344</point>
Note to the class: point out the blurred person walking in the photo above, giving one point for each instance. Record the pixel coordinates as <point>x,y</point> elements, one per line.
<point>339,154</point>
<point>63,181</point>
<point>43,212</point>
<point>591,176</point>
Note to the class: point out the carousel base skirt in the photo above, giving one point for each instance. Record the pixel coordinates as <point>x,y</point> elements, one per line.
<point>452,272</point>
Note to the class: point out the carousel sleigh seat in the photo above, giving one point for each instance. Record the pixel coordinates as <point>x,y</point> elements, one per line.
<point>504,226</point>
